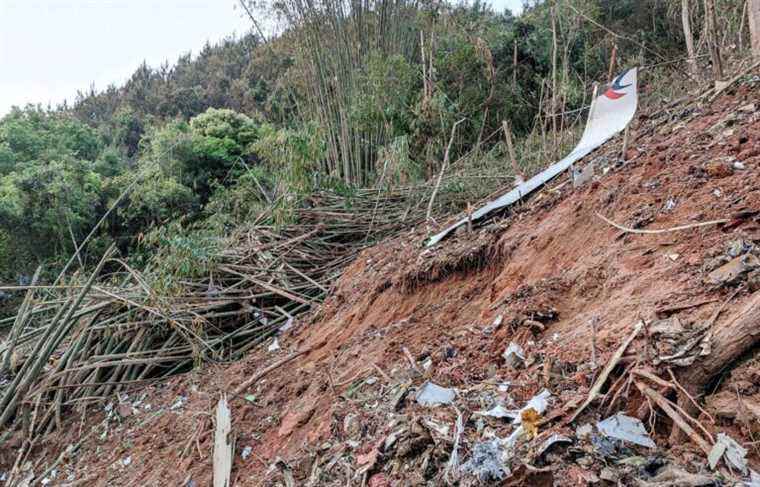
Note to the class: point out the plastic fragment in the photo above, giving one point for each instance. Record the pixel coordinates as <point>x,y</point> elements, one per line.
<point>626,428</point>
<point>431,394</point>
<point>274,346</point>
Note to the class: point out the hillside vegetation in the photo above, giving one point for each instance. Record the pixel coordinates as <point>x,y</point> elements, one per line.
<point>346,96</point>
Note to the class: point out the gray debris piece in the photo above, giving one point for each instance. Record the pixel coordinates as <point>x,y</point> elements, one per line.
<point>626,428</point>
<point>552,440</point>
<point>487,461</point>
<point>582,176</point>
<point>754,479</point>
<point>431,394</point>
<point>733,452</point>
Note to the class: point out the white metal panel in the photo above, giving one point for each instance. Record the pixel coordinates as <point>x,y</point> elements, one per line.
<point>610,113</point>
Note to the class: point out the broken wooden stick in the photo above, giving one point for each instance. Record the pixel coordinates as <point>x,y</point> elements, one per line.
<point>673,415</point>
<point>223,445</point>
<point>661,230</point>
<point>245,385</point>
<point>614,360</point>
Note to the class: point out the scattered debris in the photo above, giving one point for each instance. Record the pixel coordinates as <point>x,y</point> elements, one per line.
<point>582,176</point>
<point>274,346</point>
<point>493,327</point>
<point>179,403</point>
<point>514,356</point>
<point>487,461</point>
<point>246,452</point>
<point>734,454</point>
<point>732,272</point>
<point>626,428</point>
<point>551,441</point>
<point>600,381</point>
<point>499,411</point>
<point>431,394</point>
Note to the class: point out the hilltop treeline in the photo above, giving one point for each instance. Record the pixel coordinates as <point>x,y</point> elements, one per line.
<point>348,94</point>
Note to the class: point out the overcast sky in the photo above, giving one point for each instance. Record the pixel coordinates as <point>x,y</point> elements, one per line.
<point>49,49</point>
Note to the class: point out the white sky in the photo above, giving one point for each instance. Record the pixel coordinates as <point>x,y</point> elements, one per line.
<point>49,49</point>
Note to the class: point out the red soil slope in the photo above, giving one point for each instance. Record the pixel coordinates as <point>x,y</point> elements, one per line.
<point>551,269</point>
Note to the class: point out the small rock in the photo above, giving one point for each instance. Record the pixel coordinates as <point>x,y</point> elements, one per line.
<point>608,474</point>
<point>124,410</point>
<point>719,169</point>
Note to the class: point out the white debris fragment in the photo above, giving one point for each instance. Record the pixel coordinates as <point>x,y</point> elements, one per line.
<point>274,346</point>
<point>287,326</point>
<point>754,479</point>
<point>514,356</point>
<point>427,363</point>
<point>584,430</point>
<point>499,411</point>
<point>494,326</point>
<point>126,461</point>
<point>734,454</point>
<point>246,452</point>
<point>626,428</point>
<point>539,402</point>
<point>739,166</point>
<point>181,400</point>
<point>431,394</point>
<point>3,476</point>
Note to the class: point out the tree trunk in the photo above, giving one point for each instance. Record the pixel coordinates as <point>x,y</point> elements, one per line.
<point>685,18</point>
<point>712,35</point>
<point>729,342</point>
<point>754,26</point>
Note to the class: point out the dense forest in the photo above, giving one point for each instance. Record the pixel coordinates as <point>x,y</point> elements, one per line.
<point>346,95</point>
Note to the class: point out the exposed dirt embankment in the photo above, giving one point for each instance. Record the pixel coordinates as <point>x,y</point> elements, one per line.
<point>568,288</point>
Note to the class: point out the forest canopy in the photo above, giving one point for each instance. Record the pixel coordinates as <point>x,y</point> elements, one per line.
<point>346,95</point>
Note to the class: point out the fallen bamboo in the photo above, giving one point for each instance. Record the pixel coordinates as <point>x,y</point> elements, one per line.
<point>602,379</point>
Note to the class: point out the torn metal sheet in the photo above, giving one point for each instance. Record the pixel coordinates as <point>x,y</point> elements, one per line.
<point>487,462</point>
<point>733,452</point>
<point>552,440</point>
<point>626,428</point>
<point>432,395</point>
<point>610,113</point>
